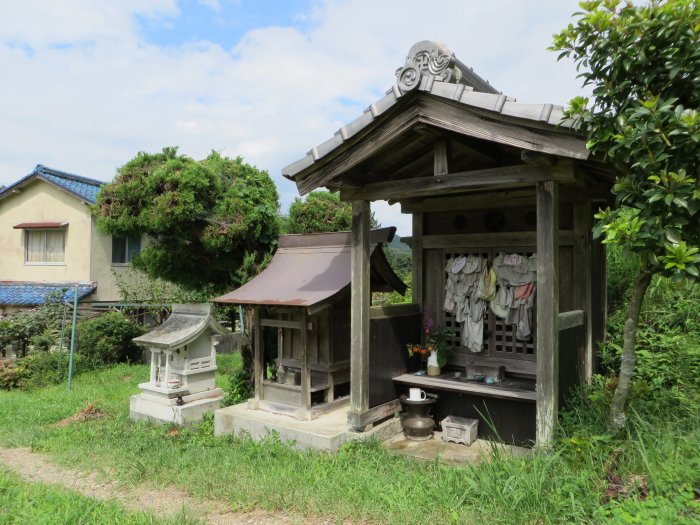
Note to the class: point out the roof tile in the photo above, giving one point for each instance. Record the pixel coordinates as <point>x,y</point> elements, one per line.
<point>82,187</point>
<point>21,293</point>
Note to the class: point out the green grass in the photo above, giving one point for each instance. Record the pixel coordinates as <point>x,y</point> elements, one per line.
<point>362,481</point>
<point>24,503</point>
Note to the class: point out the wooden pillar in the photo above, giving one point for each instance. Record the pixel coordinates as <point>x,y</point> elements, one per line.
<point>359,315</point>
<point>582,280</point>
<point>417,247</point>
<point>258,353</point>
<point>547,310</point>
<point>440,158</point>
<point>305,372</point>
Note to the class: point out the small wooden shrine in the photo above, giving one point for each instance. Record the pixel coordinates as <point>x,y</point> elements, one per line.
<point>183,364</point>
<point>301,305</point>
<point>502,196</point>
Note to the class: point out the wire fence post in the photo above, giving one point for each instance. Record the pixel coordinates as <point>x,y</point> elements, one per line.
<point>72,338</point>
<point>63,335</point>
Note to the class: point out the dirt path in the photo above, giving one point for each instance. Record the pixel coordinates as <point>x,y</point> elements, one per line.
<point>37,468</point>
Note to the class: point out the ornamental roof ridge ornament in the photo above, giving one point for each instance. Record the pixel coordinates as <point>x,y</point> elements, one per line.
<point>428,61</point>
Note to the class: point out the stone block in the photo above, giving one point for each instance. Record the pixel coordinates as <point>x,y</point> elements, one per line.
<point>459,429</point>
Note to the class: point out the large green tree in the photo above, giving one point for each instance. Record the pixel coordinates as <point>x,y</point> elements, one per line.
<point>643,62</point>
<point>208,222</point>
<point>321,211</point>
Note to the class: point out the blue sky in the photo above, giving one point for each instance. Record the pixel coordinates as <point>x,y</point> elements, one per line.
<point>86,85</point>
<point>223,22</point>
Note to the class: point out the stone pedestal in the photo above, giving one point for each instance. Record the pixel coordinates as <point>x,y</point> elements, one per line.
<point>164,409</point>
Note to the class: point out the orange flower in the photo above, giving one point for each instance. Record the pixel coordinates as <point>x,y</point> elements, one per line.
<point>423,351</point>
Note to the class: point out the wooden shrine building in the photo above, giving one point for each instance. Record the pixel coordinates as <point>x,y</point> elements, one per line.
<point>486,177</point>
<point>302,300</point>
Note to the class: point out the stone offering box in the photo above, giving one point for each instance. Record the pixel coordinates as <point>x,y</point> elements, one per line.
<point>459,429</point>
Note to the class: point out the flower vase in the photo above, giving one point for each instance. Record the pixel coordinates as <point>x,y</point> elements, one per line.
<point>433,367</point>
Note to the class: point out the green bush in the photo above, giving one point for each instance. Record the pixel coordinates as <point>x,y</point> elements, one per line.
<point>668,338</point>
<point>108,339</point>
<point>37,370</point>
<point>10,375</point>
<point>239,388</point>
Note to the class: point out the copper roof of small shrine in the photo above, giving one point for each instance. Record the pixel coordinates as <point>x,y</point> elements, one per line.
<point>185,324</point>
<point>313,270</point>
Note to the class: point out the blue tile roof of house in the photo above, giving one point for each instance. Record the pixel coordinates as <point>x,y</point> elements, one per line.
<point>21,293</point>
<point>84,188</point>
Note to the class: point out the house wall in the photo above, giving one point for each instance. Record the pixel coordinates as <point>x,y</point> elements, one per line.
<point>88,255</point>
<point>38,202</point>
<point>102,270</point>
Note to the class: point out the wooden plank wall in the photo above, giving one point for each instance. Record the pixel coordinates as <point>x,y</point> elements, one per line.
<point>388,355</point>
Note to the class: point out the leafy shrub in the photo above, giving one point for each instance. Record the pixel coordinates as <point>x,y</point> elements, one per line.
<point>38,369</point>
<point>239,388</point>
<point>622,267</point>
<point>39,328</point>
<point>321,211</point>
<point>108,339</point>
<point>10,375</point>
<point>668,337</point>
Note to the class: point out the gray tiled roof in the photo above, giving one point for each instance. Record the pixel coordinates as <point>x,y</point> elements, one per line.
<point>451,88</point>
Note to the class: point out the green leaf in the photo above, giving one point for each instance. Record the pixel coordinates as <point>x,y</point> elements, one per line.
<point>673,236</point>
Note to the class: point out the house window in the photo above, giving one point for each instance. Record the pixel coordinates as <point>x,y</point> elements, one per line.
<point>124,249</point>
<point>45,246</point>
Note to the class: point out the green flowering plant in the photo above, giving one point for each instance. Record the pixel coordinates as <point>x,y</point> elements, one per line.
<point>436,340</point>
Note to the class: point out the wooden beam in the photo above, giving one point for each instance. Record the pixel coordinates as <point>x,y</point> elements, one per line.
<point>258,353</point>
<point>281,323</point>
<point>361,421</point>
<point>502,199</point>
<point>582,282</point>
<point>440,159</point>
<point>413,161</point>
<point>547,311</point>
<point>480,389</point>
<point>471,201</point>
<point>453,117</point>
<point>487,240</point>
<point>571,319</point>
<point>538,159</point>
<point>441,185</point>
<point>393,310</point>
<point>369,142</point>
<point>359,312</point>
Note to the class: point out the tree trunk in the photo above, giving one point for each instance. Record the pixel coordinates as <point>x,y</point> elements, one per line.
<point>628,360</point>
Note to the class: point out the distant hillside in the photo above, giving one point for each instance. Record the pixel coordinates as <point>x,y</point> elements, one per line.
<point>396,244</point>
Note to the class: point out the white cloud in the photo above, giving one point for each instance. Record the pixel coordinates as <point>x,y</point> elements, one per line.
<point>214,5</point>
<point>84,91</point>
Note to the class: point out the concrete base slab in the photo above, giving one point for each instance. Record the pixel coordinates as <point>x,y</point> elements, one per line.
<point>144,407</point>
<point>327,432</point>
<point>437,449</point>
